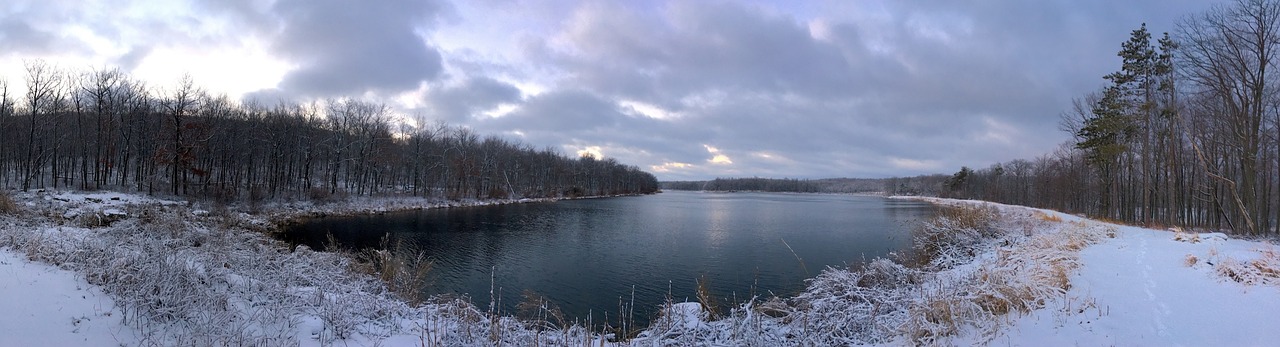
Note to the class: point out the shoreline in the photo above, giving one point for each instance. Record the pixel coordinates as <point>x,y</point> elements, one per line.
<point>62,228</point>
<point>282,214</point>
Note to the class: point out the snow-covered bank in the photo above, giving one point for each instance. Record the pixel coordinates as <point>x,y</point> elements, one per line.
<point>47,306</point>
<point>1158,288</point>
<point>184,276</point>
<point>279,213</point>
<point>1146,288</point>
<point>168,273</point>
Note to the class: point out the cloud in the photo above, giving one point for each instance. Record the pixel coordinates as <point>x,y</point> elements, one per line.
<point>591,151</point>
<point>471,98</point>
<point>18,35</point>
<point>786,89</point>
<point>346,48</point>
<point>838,89</point>
<point>717,158</point>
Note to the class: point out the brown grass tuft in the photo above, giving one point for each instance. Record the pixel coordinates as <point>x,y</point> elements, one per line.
<point>706,299</point>
<point>7,205</point>
<point>953,234</point>
<point>403,268</point>
<point>1049,217</point>
<point>1265,270</point>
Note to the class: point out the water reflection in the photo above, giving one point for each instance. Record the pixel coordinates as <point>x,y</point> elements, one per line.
<point>585,254</point>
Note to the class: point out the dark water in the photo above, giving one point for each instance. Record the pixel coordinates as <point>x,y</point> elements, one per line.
<point>584,255</point>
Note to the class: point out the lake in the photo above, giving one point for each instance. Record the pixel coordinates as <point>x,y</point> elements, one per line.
<point>586,255</point>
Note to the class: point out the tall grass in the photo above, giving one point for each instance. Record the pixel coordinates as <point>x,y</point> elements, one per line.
<point>7,205</point>
<point>954,235</point>
<point>402,267</point>
<point>1264,269</point>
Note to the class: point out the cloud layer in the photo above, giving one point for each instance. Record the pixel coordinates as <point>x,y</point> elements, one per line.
<point>686,89</point>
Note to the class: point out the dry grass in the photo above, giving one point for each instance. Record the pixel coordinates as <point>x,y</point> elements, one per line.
<point>7,205</point>
<point>1264,270</point>
<point>709,303</point>
<point>1191,260</point>
<point>1022,278</point>
<point>954,235</point>
<point>1049,217</point>
<point>402,267</point>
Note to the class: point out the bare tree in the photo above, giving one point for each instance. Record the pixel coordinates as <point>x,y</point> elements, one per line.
<point>1228,53</point>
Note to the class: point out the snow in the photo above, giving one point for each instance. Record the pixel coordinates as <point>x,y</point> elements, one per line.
<point>1137,290</point>
<point>1126,286</point>
<point>47,306</point>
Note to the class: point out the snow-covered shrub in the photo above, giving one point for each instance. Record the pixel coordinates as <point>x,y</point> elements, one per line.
<point>952,237</point>
<point>100,218</point>
<point>1263,270</point>
<point>847,307</point>
<point>1021,277</point>
<point>181,279</point>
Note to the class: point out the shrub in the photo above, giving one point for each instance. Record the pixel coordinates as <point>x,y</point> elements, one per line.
<point>403,268</point>
<point>1264,270</point>
<point>7,205</point>
<point>953,235</point>
<point>321,196</point>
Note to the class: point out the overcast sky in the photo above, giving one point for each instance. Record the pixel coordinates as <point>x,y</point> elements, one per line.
<point>683,89</point>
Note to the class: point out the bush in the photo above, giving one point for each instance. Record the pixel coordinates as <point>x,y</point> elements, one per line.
<point>952,236</point>
<point>402,267</point>
<point>7,205</point>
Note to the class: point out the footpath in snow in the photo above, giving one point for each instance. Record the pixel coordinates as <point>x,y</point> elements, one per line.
<point>1144,288</point>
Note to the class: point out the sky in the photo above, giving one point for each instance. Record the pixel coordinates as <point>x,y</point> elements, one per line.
<point>683,89</point>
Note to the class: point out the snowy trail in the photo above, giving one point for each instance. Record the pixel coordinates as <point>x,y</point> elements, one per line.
<point>43,305</point>
<point>1137,290</point>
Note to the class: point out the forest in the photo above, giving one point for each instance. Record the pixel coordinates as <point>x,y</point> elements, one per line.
<point>1185,133</point>
<point>103,129</point>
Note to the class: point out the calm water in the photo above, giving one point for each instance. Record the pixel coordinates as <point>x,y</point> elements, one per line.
<point>584,255</point>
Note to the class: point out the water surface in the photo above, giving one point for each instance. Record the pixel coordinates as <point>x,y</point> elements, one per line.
<point>586,255</point>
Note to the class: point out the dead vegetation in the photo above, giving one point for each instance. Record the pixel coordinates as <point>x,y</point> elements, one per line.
<point>970,272</point>
<point>7,205</point>
<point>954,236</point>
<point>1262,270</point>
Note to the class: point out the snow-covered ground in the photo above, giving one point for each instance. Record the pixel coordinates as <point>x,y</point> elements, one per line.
<point>1082,282</point>
<point>1144,288</point>
<point>46,306</point>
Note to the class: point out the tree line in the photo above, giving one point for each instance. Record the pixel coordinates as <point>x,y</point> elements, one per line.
<point>103,129</point>
<point>919,185</point>
<point>1186,132</point>
<point>754,184</point>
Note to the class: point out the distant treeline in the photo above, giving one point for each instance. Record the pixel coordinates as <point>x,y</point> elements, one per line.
<point>103,129</point>
<point>920,185</point>
<point>746,184</point>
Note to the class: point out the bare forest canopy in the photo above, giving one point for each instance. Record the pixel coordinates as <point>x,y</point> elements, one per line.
<point>103,129</point>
